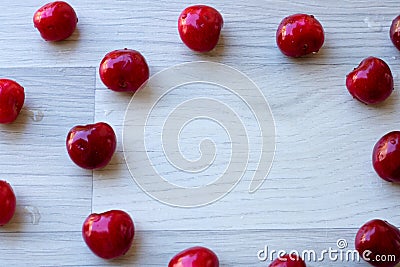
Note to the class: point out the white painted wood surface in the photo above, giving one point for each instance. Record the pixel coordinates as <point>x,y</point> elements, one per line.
<point>321,186</point>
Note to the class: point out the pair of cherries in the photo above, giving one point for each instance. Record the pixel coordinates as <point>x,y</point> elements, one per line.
<point>371,82</point>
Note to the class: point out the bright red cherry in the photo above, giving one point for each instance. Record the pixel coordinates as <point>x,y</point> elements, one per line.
<point>395,32</point>
<point>378,242</point>
<point>55,21</point>
<point>199,27</point>
<point>91,146</point>
<point>299,35</point>
<point>124,70</point>
<point>110,234</point>
<point>287,260</point>
<point>195,257</point>
<point>7,203</point>
<point>371,82</point>
<point>386,157</point>
<point>12,97</point>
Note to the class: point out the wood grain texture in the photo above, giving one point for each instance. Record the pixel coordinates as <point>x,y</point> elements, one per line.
<point>155,248</point>
<point>321,186</point>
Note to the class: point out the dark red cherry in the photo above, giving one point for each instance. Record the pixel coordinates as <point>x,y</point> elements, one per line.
<point>199,27</point>
<point>386,157</point>
<point>110,234</point>
<point>288,260</point>
<point>7,203</point>
<point>371,82</point>
<point>12,97</point>
<point>395,32</point>
<point>378,242</point>
<point>299,35</point>
<point>55,21</point>
<point>195,257</point>
<point>91,146</point>
<point>124,70</point>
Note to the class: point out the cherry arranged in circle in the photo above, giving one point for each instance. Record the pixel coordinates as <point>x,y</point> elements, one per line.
<point>199,27</point>
<point>124,70</point>
<point>56,21</point>
<point>299,35</point>
<point>91,146</point>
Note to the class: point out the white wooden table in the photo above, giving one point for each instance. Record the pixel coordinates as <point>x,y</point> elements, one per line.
<point>321,187</point>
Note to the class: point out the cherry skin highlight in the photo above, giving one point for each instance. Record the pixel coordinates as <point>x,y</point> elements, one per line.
<point>199,27</point>
<point>287,260</point>
<point>299,35</point>
<point>110,234</point>
<point>12,97</point>
<point>55,21</point>
<point>91,146</point>
<point>386,157</point>
<point>377,239</point>
<point>7,203</point>
<point>371,82</point>
<point>124,70</point>
<point>195,257</point>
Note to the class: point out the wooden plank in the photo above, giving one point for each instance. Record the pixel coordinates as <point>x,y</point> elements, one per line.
<point>248,39</point>
<point>156,248</point>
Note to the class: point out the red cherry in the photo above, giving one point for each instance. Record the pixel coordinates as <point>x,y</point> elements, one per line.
<point>7,203</point>
<point>91,146</point>
<point>386,157</point>
<point>195,257</point>
<point>55,21</point>
<point>12,97</point>
<point>124,70</point>
<point>199,27</point>
<point>371,82</point>
<point>395,32</point>
<point>287,260</point>
<point>110,234</point>
<point>299,35</point>
<point>377,240</point>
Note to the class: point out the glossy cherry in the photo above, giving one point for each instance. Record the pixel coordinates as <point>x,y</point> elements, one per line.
<point>371,82</point>
<point>55,21</point>
<point>378,239</point>
<point>199,27</point>
<point>395,32</point>
<point>91,146</point>
<point>287,260</point>
<point>195,257</point>
<point>124,70</point>
<point>299,35</point>
<point>12,97</point>
<point>7,203</point>
<point>386,157</point>
<point>110,234</point>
